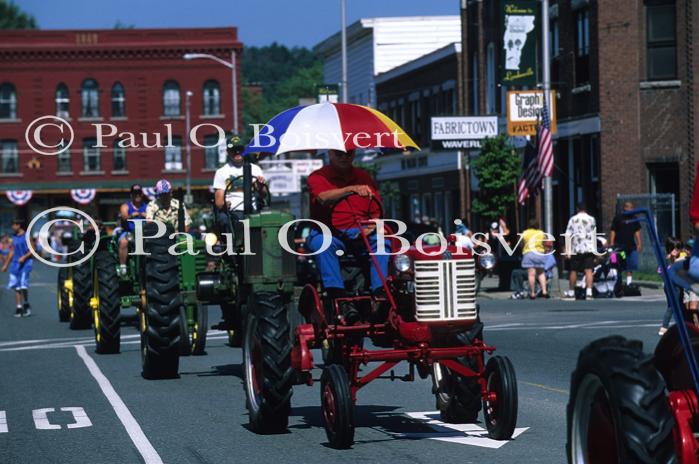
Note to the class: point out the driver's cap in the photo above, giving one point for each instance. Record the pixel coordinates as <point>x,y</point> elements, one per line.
<point>234,145</point>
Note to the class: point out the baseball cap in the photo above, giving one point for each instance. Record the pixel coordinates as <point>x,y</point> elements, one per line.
<point>136,188</point>
<point>494,225</point>
<point>234,144</point>
<point>162,186</point>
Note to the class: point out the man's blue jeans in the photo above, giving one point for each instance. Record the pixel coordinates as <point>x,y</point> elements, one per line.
<point>329,264</point>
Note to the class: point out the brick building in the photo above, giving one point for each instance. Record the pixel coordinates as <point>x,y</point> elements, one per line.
<point>625,74</point>
<point>135,79</point>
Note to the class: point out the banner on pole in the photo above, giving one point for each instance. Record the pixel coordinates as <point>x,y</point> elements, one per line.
<point>518,50</point>
<point>524,111</point>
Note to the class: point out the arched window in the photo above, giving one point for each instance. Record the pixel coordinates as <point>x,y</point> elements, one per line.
<point>171,99</point>
<point>62,101</point>
<point>90,99</point>
<point>119,160</point>
<point>212,98</point>
<point>118,101</point>
<point>8,101</point>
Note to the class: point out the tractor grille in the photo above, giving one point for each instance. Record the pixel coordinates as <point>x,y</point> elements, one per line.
<point>445,290</point>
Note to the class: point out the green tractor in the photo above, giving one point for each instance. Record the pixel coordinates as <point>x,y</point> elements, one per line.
<point>260,273</point>
<point>73,286</point>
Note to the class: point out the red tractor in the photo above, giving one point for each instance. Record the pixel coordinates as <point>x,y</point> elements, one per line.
<point>429,318</point>
<point>628,406</point>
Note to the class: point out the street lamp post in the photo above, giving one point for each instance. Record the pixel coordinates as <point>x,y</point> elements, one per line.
<point>234,79</point>
<point>188,150</point>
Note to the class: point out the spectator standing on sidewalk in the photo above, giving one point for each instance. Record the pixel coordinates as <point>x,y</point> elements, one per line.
<point>582,229</point>
<point>19,261</point>
<point>627,236</point>
<point>534,259</point>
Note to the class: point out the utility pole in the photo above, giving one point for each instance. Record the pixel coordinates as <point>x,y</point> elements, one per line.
<point>188,149</point>
<point>343,34</point>
<point>463,164</point>
<point>548,194</point>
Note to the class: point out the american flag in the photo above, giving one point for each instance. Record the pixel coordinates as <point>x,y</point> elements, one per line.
<point>530,182</point>
<point>545,158</point>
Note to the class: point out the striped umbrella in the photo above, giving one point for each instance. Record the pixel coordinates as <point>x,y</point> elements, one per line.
<point>334,126</point>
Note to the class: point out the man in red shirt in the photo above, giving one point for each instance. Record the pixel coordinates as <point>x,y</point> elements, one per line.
<point>340,180</point>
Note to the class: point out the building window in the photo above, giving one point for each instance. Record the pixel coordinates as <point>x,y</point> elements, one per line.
<point>582,47</point>
<point>118,101</point>
<point>9,157</point>
<point>661,40</point>
<point>62,101</point>
<point>212,98</point>
<point>211,152</point>
<point>91,156</point>
<point>8,101</point>
<point>64,164</point>
<point>89,99</point>
<point>119,157</point>
<point>171,99</point>
<point>173,155</point>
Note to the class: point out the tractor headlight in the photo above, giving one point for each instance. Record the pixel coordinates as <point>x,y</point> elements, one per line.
<point>402,263</point>
<point>210,240</point>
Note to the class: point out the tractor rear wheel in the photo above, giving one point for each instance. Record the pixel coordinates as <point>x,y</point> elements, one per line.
<point>198,337</point>
<point>80,313</point>
<point>63,297</point>
<point>618,409</point>
<point>500,408</point>
<point>162,325</point>
<point>337,407</point>
<point>269,376</point>
<point>107,314</point>
<point>459,398</point>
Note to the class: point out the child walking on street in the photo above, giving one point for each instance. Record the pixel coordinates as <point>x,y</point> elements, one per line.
<point>19,260</point>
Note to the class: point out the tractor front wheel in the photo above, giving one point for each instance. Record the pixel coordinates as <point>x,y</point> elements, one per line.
<point>161,321</point>
<point>269,376</point>
<point>107,314</point>
<point>63,297</point>
<point>337,407</point>
<point>618,410</point>
<point>80,313</point>
<point>500,407</point>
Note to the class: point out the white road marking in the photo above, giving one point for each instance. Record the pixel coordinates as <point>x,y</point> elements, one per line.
<point>3,422</point>
<point>463,434</point>
<point>88,342</point>
<point>81,419</point>
<point>139,439</point>
<point>41,419</point>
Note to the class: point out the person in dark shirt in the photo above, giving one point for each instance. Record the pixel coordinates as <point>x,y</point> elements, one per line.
<point>627,236</point>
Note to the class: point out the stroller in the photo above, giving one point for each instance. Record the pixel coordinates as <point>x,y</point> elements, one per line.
<point>607,277</point>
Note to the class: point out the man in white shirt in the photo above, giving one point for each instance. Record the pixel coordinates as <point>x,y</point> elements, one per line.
<point>232,171</point>
<point>582,229</point>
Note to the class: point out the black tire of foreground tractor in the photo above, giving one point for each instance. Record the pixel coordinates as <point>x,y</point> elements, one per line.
<point>63,297</point>
<point>459,398</point>
<point>618,409</point>
<point>201,321</point>
<point>337,407</point>
<point>163,335</point>
<point>108,314</point>
<point>80,312</point>
<point>269,376</point>
<point>500,417</point>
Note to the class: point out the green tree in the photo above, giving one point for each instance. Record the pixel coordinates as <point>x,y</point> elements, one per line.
<point>11,17</point>
<point>497,168</point>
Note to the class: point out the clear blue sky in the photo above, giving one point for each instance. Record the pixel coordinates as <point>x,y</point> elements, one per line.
<point>259,22</point>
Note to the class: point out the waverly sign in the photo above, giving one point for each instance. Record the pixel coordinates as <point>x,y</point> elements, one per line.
<point>462,132</point>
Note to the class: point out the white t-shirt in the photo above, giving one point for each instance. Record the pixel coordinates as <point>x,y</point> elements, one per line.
<point>228,171</point>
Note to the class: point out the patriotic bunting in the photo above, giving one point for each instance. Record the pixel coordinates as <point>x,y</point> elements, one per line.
<point>83,196</point>
<point>19,197</point>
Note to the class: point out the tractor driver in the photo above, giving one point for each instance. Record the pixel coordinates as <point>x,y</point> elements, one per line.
<point>327,186</point>
<point>133,209</point>
<point>232,202</point>
<point>164,208</point>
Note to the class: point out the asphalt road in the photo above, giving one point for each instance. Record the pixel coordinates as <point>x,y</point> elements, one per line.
<point>118,417</point>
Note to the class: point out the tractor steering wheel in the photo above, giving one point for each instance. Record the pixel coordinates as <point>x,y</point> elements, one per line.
<point>263,198</point>
<point>342,209</point>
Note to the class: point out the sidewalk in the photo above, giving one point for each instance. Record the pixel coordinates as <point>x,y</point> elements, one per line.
<point>489,289</point>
